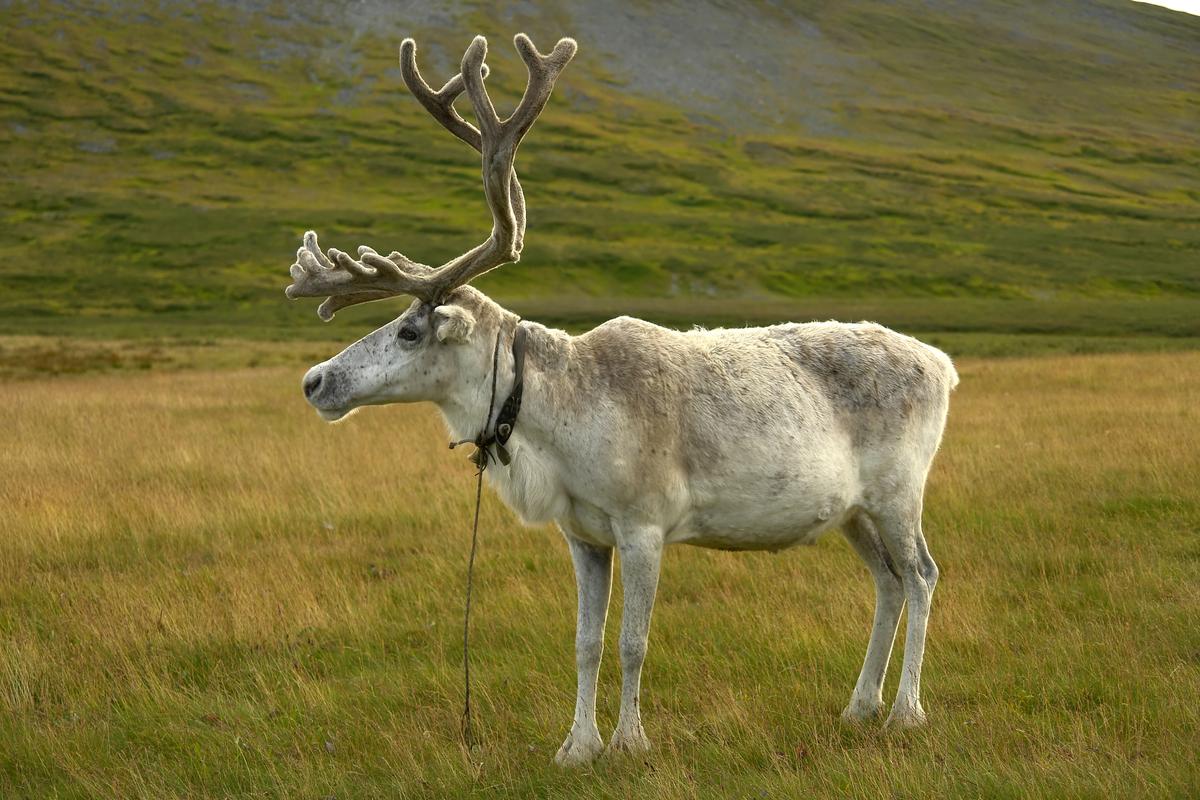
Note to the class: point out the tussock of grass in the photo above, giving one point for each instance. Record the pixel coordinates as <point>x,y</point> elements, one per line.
<point>206,592</point>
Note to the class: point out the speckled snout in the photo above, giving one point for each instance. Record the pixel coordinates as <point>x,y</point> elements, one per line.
<point>323,392</point>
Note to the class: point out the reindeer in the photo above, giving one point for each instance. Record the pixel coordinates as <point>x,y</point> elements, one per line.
<point>631,437</point>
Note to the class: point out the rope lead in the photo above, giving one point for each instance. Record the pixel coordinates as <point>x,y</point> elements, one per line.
<point>488,447</point>
<point>480,457</point>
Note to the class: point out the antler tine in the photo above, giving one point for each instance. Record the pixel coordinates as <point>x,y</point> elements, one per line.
<point>439,104</point>
<point>537,92</point>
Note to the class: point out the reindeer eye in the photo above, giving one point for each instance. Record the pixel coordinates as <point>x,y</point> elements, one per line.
<point>408,334</point>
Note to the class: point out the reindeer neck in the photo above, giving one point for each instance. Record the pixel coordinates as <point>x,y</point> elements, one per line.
<point>547,354</point>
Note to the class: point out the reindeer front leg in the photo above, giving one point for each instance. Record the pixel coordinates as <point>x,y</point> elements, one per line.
<point>593,578</point>
<point>641,555</point>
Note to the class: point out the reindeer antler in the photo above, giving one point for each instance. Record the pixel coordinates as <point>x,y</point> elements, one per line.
<point>345,281</point>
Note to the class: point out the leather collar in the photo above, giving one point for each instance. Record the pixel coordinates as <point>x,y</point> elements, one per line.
<point>506,420</point>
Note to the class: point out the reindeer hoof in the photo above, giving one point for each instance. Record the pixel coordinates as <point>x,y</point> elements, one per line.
<point>628,741</point>
<point>905,718</point>
<point>858,712</point>
<point>579,748</point>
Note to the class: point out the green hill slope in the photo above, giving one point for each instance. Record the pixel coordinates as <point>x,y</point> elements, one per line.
<point>943,165</point>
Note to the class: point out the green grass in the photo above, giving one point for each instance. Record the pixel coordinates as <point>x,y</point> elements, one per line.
<point>160,169</point>
<point>206,592</point>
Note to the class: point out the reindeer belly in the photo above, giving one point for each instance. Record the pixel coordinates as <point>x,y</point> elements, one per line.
<point>756,508</point>
<point>774,527</point>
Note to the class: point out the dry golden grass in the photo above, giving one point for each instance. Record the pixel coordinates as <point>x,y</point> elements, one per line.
<point>206,592</point>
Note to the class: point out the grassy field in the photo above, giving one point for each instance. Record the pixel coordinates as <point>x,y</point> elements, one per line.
<point>206,592</point>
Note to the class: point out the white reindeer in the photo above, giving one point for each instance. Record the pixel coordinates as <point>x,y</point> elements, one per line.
<point>632,436</point>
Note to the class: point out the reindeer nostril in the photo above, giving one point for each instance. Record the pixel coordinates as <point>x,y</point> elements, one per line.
<point>311,384</point>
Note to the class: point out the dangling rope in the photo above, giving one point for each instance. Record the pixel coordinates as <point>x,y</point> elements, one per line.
<point>468,732</point>
<point>481,457</point>
<point>485,443</point>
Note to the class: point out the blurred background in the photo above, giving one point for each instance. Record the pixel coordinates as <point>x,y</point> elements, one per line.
<point>994,176</point>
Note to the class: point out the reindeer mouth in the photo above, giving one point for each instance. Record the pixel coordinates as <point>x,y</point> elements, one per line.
<point>333,414</point>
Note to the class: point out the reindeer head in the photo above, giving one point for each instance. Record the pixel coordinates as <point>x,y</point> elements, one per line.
<point>419,355</point>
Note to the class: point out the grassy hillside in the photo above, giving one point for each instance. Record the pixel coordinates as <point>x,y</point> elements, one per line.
<point>937,166</point>
<point>206,592</point>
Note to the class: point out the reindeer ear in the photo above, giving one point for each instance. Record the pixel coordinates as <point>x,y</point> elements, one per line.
<point>453,324</point>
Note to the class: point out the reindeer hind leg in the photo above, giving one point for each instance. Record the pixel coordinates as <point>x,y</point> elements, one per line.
<point>867,700</point>
<point>900,531</point>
